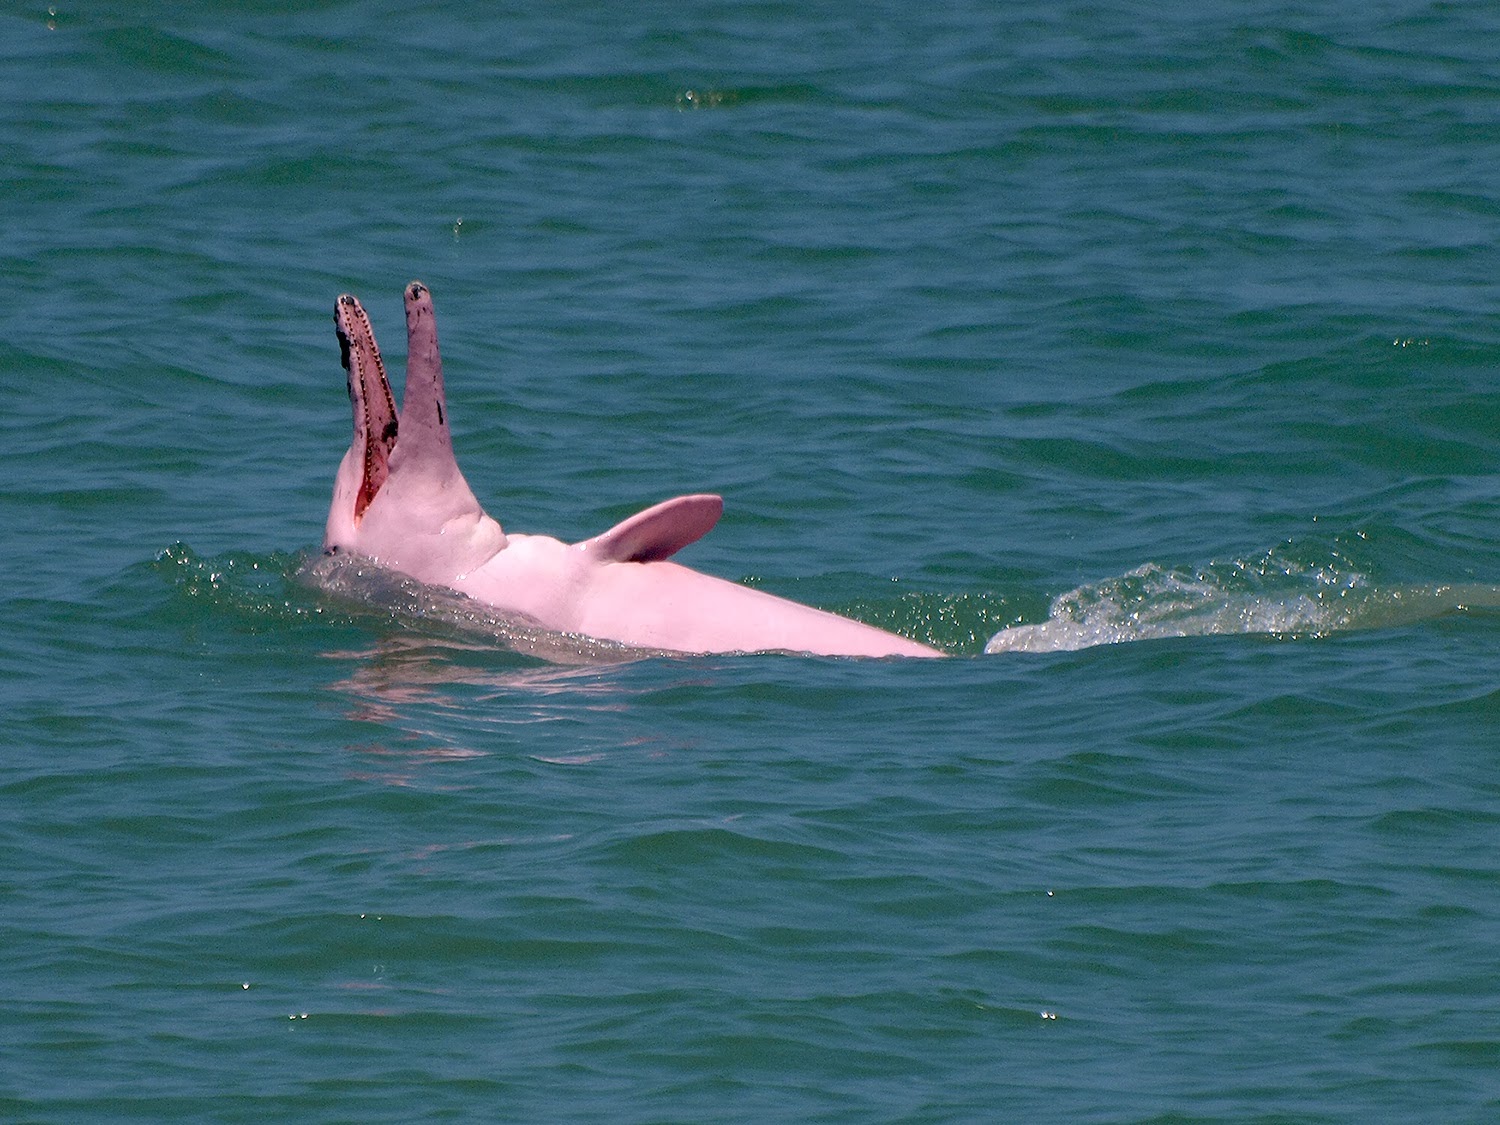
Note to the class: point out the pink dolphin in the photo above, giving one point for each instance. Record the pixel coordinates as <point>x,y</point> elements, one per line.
<point>400,499</point>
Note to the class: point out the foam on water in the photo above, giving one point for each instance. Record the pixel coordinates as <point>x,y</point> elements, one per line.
<point>1277,594</point>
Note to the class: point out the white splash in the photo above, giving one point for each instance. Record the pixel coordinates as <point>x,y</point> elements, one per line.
<point>1274,595</point>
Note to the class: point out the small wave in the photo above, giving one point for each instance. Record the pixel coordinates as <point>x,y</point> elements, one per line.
<point>360,581</point>
<point>290,590</point>
<point>284,590</point>
<point>253,588</point>
<point>1277,594</point>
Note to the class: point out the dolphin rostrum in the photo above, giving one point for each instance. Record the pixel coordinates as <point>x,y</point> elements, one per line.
<point>400,499</point>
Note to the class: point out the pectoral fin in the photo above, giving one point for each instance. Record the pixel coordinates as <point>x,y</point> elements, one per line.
<point>660,531</point>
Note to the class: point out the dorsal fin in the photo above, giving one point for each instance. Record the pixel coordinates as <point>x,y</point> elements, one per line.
<point>660,531</point>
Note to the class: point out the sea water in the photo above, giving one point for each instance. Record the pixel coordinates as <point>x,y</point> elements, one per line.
<point>1158,344</point>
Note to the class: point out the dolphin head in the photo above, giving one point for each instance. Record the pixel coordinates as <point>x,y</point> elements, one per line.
<point>399,496</point>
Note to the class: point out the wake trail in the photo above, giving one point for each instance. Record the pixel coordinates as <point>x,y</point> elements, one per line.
<point>1273,595</point>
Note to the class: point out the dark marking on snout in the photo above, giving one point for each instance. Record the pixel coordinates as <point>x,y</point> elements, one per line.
<point>441,420</point>
<point>347,300</point>
<point>388,435</point>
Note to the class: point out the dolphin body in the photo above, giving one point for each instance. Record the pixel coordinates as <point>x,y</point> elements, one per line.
<point>400,500</point>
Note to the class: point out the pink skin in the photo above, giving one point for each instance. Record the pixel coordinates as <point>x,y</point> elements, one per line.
<point>400,499</point>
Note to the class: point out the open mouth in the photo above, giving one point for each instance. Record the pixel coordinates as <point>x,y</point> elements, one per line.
<point>375,418</point>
